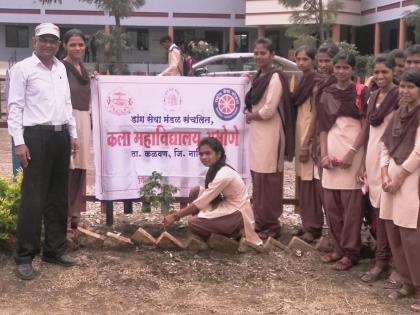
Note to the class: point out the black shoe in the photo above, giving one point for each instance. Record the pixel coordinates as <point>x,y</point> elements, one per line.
<point>25,271</point>
<point>63,260</point>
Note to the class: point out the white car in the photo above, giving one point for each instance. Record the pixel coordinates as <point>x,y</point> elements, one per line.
<point>237,64</point>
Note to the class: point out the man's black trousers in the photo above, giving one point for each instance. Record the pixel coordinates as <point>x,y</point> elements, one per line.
<point>44,194</point>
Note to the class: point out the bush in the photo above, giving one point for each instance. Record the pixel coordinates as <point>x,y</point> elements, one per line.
<point>203,50</point>
<point>9,204</point>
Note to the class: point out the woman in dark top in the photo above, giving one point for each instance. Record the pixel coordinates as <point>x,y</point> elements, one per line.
<point>74,42</point>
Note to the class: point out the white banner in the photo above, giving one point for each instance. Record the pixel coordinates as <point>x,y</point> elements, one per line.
<point>146,124</point>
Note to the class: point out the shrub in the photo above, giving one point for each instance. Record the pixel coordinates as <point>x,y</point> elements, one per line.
<point>9,203</point>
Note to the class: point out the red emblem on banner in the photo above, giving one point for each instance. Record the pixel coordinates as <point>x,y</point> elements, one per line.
<point>172,100</point>
<point>119,102</point>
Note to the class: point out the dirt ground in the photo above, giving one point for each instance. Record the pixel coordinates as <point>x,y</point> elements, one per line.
<point>145,280</point>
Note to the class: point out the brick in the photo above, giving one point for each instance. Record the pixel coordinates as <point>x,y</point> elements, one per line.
<point>324,244</point>
<point>273,244</point>
<point>116,240</point>
<point>245,246</point>
<point>195,244</point>
<point>71,244</point>
<point>296,244</point>
<point>142,237</point>
<point>86,238</point>
<point>168,241</point>
<point>222,243</point>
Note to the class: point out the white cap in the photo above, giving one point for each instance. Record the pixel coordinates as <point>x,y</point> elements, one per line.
<point>47,28</point>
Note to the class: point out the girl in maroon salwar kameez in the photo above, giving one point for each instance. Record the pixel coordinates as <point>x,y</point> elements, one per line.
<point>222,206</point>
<point>310,204</point>
<point>341,111</point>
<point>400,201</point>
<point>382,104</point>
<point>271,138</point>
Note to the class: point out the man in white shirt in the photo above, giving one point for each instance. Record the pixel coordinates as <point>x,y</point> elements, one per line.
<point>41,123</point>
<point>175,61</point>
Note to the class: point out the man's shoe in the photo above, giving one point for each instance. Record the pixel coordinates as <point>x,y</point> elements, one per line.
<point>25,271</point>
<point>63,260</point>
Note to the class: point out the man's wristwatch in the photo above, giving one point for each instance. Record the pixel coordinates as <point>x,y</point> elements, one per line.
<point>176,216</point>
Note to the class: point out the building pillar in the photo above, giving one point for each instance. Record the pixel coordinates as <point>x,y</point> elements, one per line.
<point>261,31</point>
<point>401,37</point>
<point>107,30</point>
<point>353,35</point>
<point>336,33</point>
<point>377,42</point>
<point>171,32</point>
<point>231,39</point>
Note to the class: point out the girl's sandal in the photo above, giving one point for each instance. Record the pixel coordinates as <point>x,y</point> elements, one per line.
<point>416,307</point>
<point>392,284</point>
<point>371,276</point>
<point>404,292</point>
<point>330,258</point>
<point>343,264</point>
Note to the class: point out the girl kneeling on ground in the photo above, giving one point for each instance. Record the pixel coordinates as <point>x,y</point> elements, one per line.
<point>223,206</point>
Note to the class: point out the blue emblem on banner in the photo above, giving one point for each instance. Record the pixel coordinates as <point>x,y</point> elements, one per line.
<point>226,104</point>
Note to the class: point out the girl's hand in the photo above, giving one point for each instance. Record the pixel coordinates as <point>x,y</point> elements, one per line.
<point>348,159</point>
<point>304,155</point>
<point>386,183</point>
<point>169,219</point>
<point>326,162</point>
<point>361,175</point>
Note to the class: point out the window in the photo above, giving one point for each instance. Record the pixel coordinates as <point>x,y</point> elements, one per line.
<point>183,37</point>
<point>139,38</point>
<point>214,38</point>
<point>241,42</point>
<point>17,36</point>
<point>274,36</point>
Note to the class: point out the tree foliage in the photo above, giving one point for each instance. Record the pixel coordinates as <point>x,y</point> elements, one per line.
<point>312,19</point>
<point>413,19</point>
<point>112,45</point>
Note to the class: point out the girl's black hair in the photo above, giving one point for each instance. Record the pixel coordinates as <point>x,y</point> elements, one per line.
<point>328,48</point>
<point>308,50</point>
<point>268,44</point>
<point>412,50</point>
<point>384,59</point>
<point>73,32</point>
<point>349,58</point>
<point>396,53</point>
<point>412,76</point>
<point>217,147</point>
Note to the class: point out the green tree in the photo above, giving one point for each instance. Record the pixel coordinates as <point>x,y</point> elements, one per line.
<point>413,19</point>
<point>112,45</point>
<point>312,19</point>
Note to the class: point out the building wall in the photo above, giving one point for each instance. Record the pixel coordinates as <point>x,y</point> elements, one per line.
<point>155,16</point>
<point>214,13</point>
<point>271,12</point>
<point>354,12</point>
<point>384,10</point>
